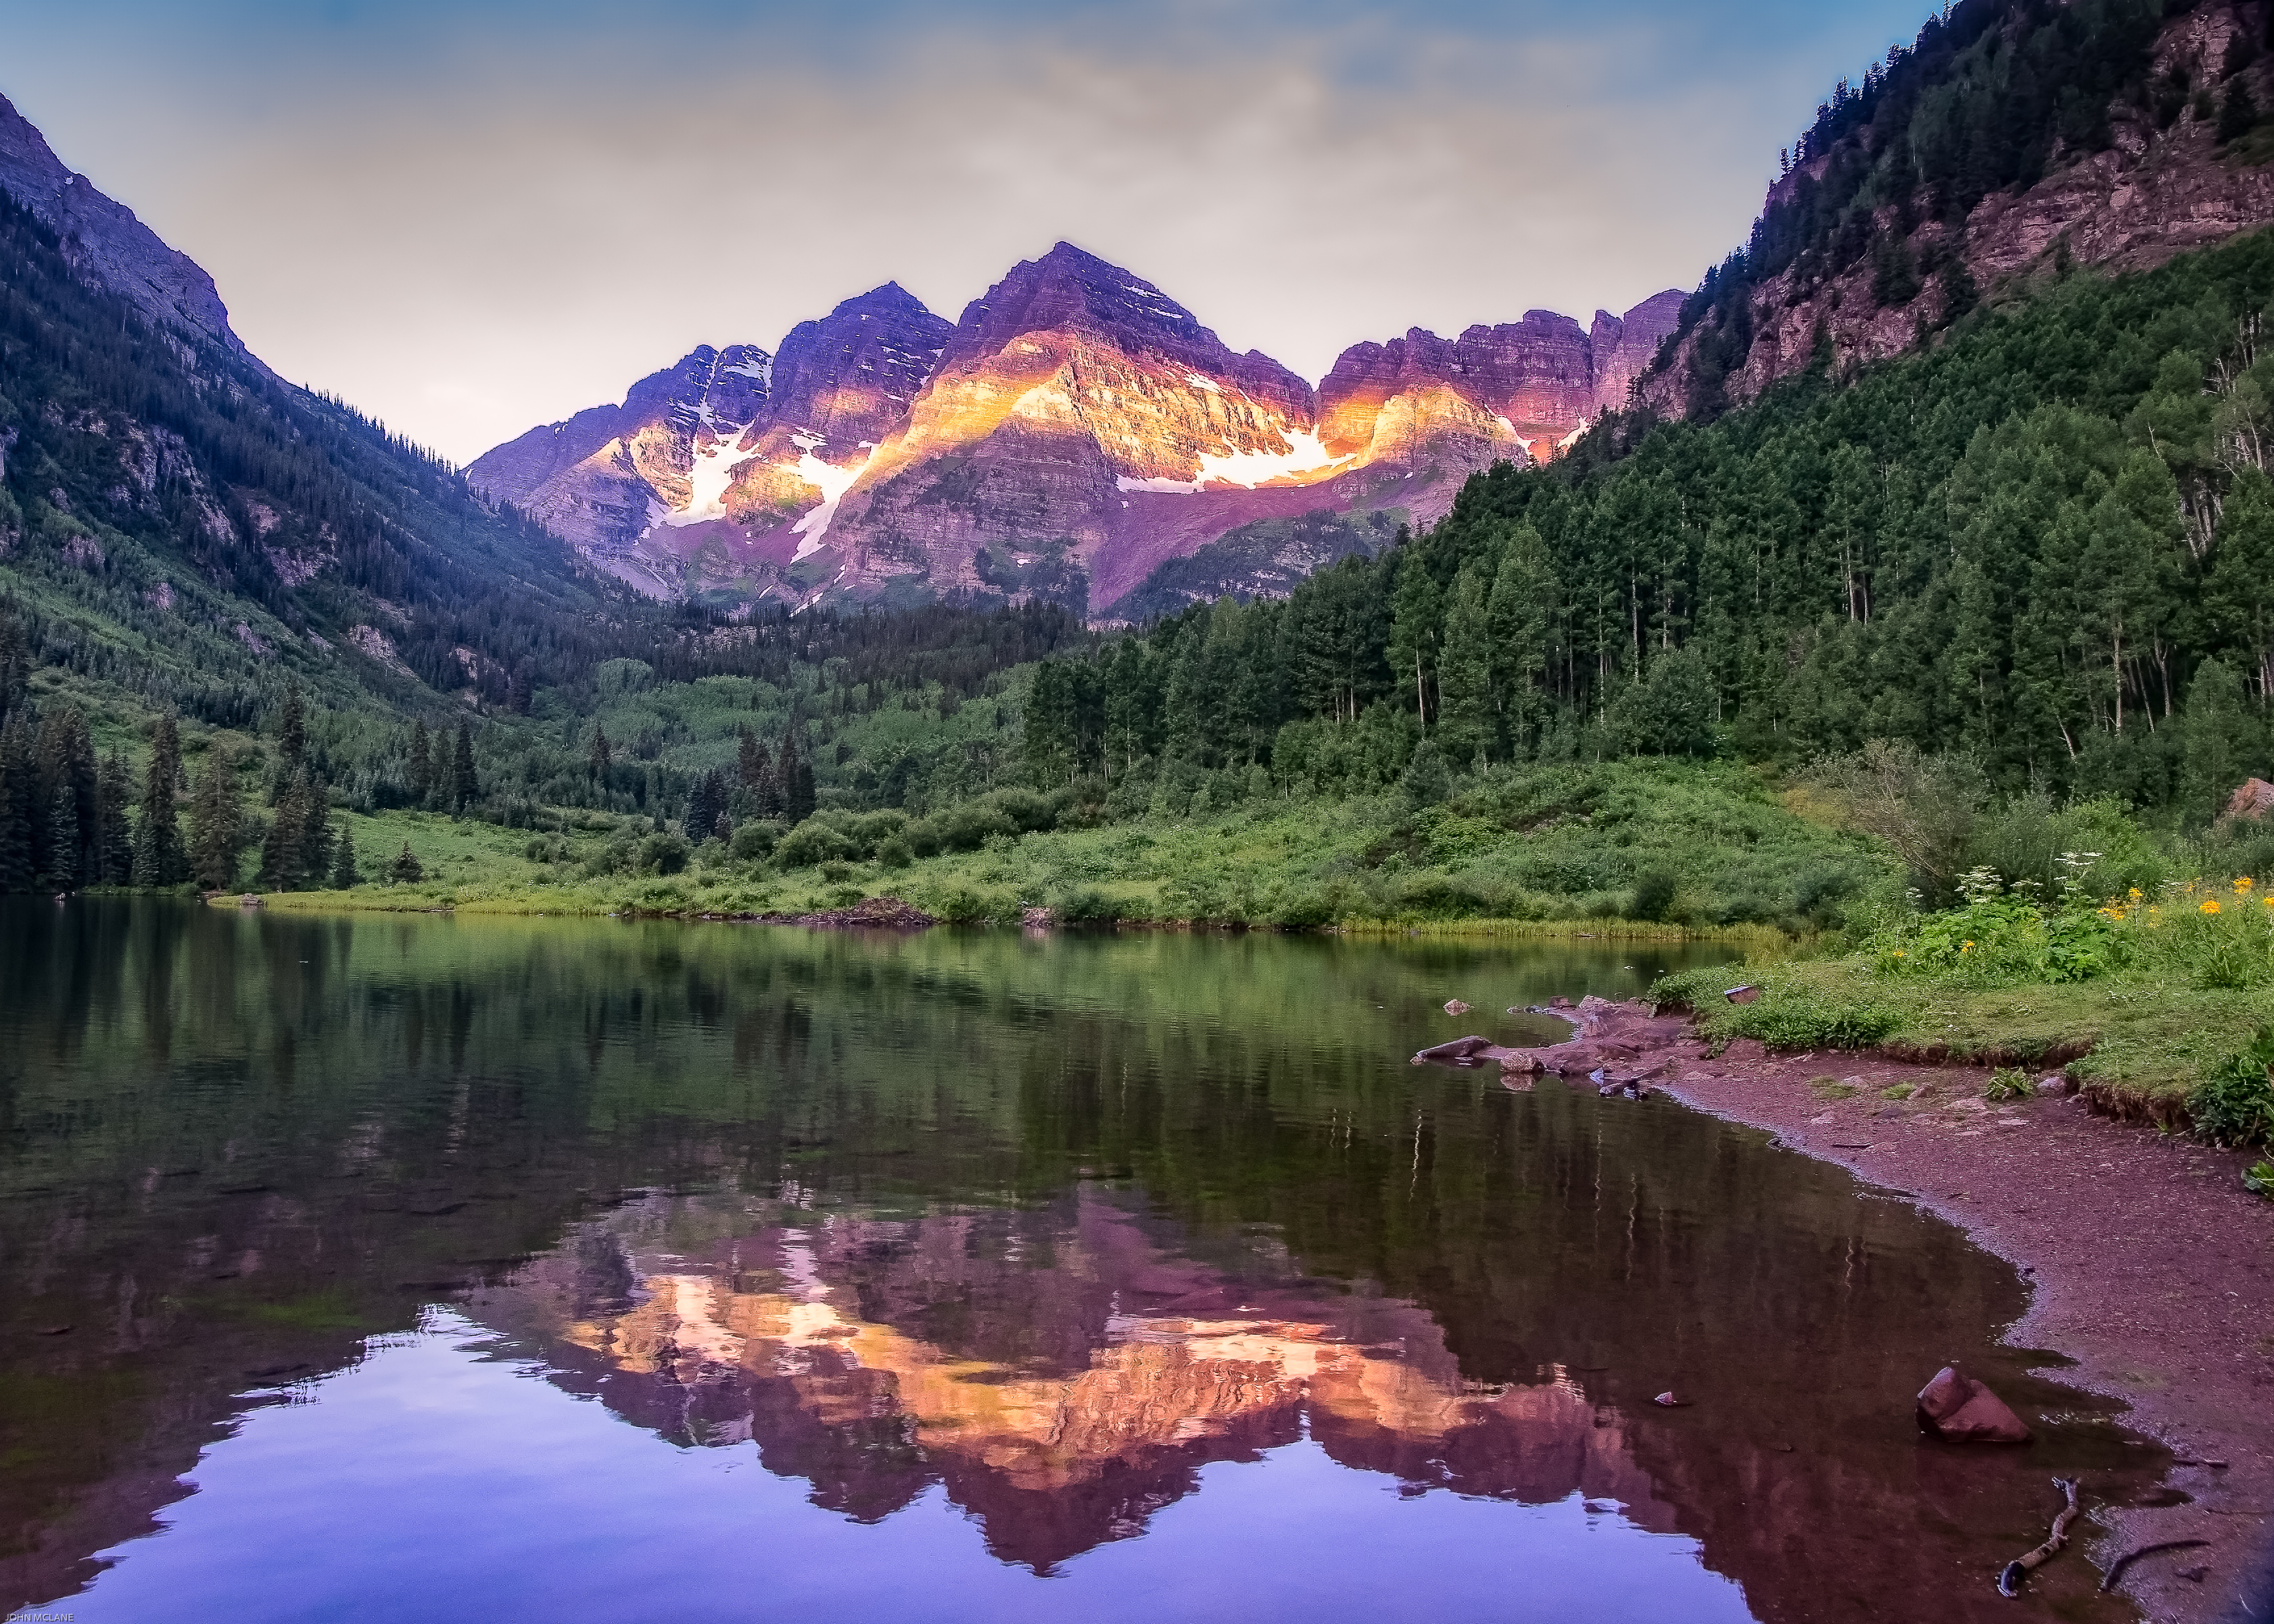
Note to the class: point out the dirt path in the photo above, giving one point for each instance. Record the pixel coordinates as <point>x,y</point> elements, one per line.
<point>2154,1270</point>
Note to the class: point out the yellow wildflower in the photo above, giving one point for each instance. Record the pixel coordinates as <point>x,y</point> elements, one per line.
<point>1968,947</point>
<point>2244,884</point>
<point>2136,893</point>
<point>2211,905</point>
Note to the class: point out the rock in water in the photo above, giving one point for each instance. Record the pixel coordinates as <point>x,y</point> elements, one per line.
<point>1459,1049</point>
<point>1454,1006</point>
<point>1955,1407</point>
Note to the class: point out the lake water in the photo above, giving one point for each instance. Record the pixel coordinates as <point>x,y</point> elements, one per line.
<point>454,1269</point>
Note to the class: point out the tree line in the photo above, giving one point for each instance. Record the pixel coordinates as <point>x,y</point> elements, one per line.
<point>2047,543</point>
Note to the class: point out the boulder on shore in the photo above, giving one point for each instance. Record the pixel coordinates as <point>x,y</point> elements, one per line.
<point>1955,1407</point>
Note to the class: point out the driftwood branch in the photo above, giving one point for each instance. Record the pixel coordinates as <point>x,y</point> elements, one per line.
<point>2011,1577</point>
<point>2116,1568</point>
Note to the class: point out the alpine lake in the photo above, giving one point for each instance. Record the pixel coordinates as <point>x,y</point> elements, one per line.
<point>459,1268</point>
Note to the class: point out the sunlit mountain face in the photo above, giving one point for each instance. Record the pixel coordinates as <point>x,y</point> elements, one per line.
<point>1076,430</point>
<point>555,1266</point>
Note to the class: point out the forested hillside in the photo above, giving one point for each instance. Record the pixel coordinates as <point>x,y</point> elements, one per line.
<point>2013,138</point>
<point>2049,543</point>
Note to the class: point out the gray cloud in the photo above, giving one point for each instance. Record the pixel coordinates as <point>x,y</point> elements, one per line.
<point>468,229</point>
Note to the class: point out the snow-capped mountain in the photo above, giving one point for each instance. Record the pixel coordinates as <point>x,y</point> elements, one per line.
<point>1076,425</point>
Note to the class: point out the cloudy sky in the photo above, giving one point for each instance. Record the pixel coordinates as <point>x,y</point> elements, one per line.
<point>468,216</point>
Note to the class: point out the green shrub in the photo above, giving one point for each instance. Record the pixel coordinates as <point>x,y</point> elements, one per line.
<point>2233,1105</point>
<point>1087,906</point>
<point>755,840</point>
<point>1654,895</point>
<point>662,854</point>
<point>894,852</point>
<point>1791,1016</point>
<point>965,828</point>
<point>1026,811</point>
<point>2008,1083</point>
<point>965,907</point>
<point>1305,908</point>
<point>810,843</point>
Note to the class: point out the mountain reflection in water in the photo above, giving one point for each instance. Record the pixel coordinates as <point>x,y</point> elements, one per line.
<point>313,1230</point>
<point>1062,1373</point>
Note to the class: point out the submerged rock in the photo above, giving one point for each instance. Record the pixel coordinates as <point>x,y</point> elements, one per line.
<point>1955,1407</point>
<point>1468,1048</point>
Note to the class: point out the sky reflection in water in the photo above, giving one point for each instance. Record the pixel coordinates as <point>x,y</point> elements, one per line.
<point>438,1481</point>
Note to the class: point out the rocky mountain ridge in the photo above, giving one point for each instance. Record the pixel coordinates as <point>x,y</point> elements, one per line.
<point>103,239</point>
<point>2172,166</point>
<point>1073,432</point>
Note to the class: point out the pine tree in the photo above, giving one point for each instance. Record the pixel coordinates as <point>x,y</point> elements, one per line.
<point>1417,615</point>
<point>345,875</point>
<point>1464,677</point>
<point>292,729</point>
<point>463,788</point>
<point>283,850</point>
<point>1517,619</point>
<point>63,840</point>
<point>159,858</point>
<point>797,792</point>
<point>405,869</point>
<point>597,764</point>
<point>15,664</point>
<point>114,835</point>
<point>18,785</point>
<point>67,773</point>
<point>2221,742</point>
<point>419,765</point>
<point>706,804</point>
<point>315,831</point>
<point>216,823</point>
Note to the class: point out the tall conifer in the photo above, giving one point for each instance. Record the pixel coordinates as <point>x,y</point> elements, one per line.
<point>419,765</point>
<point>159,858</point>
<point>463,788</point>
<point>216,823</point>
<point>114,835</point>
<point>345,875</point>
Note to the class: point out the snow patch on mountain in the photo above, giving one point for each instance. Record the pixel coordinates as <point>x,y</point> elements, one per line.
<point>714,469</point>
<point>833,482</point>
<point>1307,454</point>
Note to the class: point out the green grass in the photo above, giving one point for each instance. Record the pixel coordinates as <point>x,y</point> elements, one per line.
<point>1627,851</point>
<point>2173,995</point>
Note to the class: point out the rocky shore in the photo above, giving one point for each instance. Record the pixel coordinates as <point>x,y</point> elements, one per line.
<point>2152,1267</point>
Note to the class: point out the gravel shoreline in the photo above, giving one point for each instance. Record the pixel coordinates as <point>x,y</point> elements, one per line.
<point>2153,1269</point>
